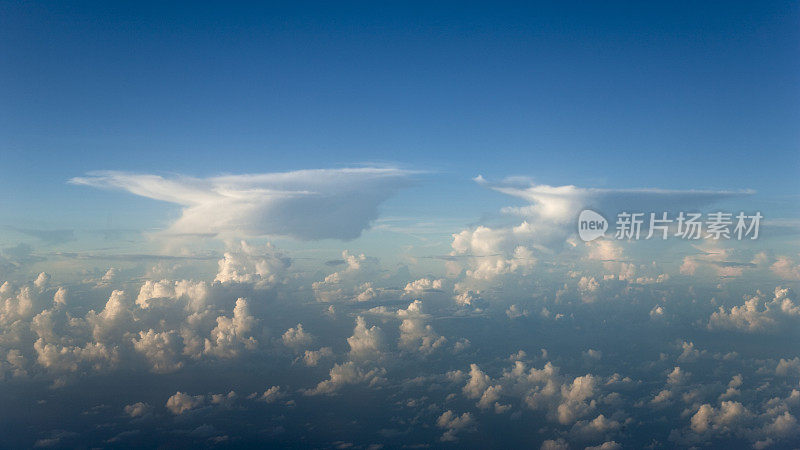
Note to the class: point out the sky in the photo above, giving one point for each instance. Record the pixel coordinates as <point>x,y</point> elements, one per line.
<point>366,215</point>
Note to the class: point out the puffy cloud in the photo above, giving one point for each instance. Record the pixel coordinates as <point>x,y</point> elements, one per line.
<point>305,204</point>
<point>312,357</point>
<point>15,307</point>
<point>232,333</point>
<point>70,358</point>
<point>415,333</point>
<point>563,400</point>
<point>60,297</point>
<point>42,280</point>
<point>678,376</point>
<point>365,342</point>
<point>594,429</point>
<point>758,314</point>
<point>245,263</point>
<point>296,337</point>
<point>272,395</point>
<point>195,293</point>
<point>496,251</point>
<point>225,400</point>
<point>113,319</point>
<point>346,374</point>
<point>351,283</point>
<point>181,402</point>
<point>477,384</point>
<point>162,350</point>
<point>725,418</point>
<point>420,287</point>
<point>137,409</point>
<point>453,424</point>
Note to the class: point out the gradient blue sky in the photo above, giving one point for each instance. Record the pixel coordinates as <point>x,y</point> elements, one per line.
<point>665,95</point>
<point>392,297</point>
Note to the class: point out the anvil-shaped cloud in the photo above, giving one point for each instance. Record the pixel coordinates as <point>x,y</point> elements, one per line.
<point>561,204</point>
<point>304,204</point>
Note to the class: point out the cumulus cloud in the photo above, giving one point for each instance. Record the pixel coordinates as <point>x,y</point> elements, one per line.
<point>561,204</point>
<point>354,282</point>
<point>180,402</point>
<point>312,357</point>
<point>496,251</point>
<point>244,263</point>
<point>453,424</point>
<point>296,337</point>
<point>271,395</point>
<point>232,334</point>
<point>415,333</point>
<point>759,313</point>
<point>137,409</point>
<point>162,350</point>
<point>195,293</point>
<point>304,204</point>
<point>366,342</point>
<point>346,374</point>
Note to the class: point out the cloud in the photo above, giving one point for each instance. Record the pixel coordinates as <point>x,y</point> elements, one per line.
<point>138,409</point>
<point>296,337</point>
<point>271,395</point>
<point>415,333</point>
<point>180,402</point>
<point>365,342</point>
<point>453,424</point>
<point>550,219</point>
<point>312,357</point>
<point>304,204</point>
<point>245,263</point>
<point>561,204</point>
<point>758,313</point>
<point>232,333</point>
<point>160,349</point>
<point>346,374</point>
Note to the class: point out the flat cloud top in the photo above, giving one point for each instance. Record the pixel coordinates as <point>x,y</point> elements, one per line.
<point>303,204</point>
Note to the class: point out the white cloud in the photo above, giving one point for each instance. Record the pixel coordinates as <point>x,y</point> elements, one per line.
<point>561,204</point>
<point>722,419</point>
<point>137,409</point>
<point>346,374</point>
<point>453,424</point>
<point>496,251</point>
<point>180,402</point>
<point>758,313</point>
<point>232,334</point>
<point>244,263</point>
<point>296,337</point>
<point>195,293</point>
<point>272,395</point>
<point>365,342</point>
<point>415,333</point>
<point>312,357</point>
<point>162,350</point>
<point>305,204</point>
<point>419,287</point>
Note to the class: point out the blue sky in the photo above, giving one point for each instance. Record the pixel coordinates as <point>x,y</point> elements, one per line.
<point>354,225</point>
<point>661,95</point>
